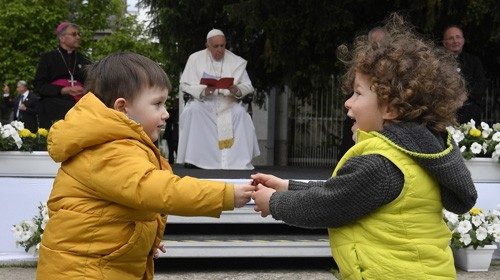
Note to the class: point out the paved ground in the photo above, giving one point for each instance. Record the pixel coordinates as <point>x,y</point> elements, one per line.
<point>248,269</point>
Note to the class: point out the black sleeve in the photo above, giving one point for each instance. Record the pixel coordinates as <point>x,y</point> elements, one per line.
<point>361,186</point>
<point>32,104</point>
<point>478,83</point>
<point>43,78</point>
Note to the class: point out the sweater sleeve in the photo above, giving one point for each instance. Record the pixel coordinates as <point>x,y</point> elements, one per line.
<point>361,186</point>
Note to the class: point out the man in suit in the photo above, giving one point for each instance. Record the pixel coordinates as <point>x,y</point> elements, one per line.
<point>25,107</point>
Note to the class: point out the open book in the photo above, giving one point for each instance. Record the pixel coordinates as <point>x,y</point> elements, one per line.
<point>212,81</point>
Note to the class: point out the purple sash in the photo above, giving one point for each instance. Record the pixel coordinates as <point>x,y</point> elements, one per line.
<point>66,83</point>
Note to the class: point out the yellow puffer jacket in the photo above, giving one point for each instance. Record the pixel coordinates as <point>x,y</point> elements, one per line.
<point>110,198</point>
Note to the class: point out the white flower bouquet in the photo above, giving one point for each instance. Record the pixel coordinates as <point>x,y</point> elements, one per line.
<point>28,233</point>
<point>475,228</point>
<point>14,137</point>
<point>482,141</point>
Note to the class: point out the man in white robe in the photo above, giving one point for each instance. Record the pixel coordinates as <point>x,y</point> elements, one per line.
<point>215,131</point>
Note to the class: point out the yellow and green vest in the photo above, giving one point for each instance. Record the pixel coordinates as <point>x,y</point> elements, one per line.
<point>404,239</point>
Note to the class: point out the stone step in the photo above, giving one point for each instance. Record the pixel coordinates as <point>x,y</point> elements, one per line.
<point>208,246</point>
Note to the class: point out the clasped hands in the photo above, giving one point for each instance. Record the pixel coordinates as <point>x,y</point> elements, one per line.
<point>73,90</point>
<point>265,186</point>
<point>232,90</point>
<point>260,190</point>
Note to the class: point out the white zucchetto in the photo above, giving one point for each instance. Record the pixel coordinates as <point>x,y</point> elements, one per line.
<point>214,32</point>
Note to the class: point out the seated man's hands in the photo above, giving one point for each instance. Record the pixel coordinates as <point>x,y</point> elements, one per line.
<point>270,181</point>
<point>262,197</point>
<point>242,195</point>
<point>235,91</point>
<point>209,91</point>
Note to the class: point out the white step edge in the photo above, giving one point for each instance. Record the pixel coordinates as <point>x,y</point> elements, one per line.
<point>246,248</point>
<point>244,215</point>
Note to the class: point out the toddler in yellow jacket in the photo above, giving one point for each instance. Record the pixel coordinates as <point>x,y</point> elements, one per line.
<point>110,197</point>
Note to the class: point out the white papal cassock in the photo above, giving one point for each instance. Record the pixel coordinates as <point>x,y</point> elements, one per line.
<point>206,122</point>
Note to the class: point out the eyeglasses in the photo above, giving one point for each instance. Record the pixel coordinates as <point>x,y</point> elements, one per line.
<point>74,34</point>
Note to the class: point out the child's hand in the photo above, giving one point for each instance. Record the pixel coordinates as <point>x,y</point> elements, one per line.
<point>242,195</point>
<point>261,198</point>
<point>270,181</point>
<point>161,247</point>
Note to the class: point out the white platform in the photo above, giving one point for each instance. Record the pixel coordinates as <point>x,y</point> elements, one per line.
<point>21,195</point>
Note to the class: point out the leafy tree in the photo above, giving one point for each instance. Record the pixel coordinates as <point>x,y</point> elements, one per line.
<point>27,29</point>
<point>293,42</point>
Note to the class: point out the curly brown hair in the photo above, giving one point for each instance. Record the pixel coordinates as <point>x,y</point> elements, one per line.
<point>417,79</point>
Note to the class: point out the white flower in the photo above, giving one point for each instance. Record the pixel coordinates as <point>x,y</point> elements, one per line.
<point>17,231</point>
<point>472,123</point>
<point>27,232</point>
<point>495,155</point>
<point>451,217</point>
<point>18,125</point>
<point>486,133</point>
<point>496,127</point>
<point>477,220</point>
<point>496,136</point>
<point>458,136</point>
<point>476,148</point>
<point>464,227</point>
<point>481,233</point>
<point>8,130</point>
<point>465,239</point>
<point>485,147</point>
<point>485,126</point>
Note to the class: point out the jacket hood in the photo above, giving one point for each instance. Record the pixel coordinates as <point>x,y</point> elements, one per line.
<point>439,155</point>
<point>90,123</point>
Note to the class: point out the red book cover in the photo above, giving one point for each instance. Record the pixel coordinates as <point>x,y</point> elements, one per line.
<point>220,83</point>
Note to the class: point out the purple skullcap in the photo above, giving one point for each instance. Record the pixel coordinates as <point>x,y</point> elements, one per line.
<point>62,26</point>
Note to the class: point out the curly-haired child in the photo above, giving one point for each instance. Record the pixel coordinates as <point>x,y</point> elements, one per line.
<point>383,205</point>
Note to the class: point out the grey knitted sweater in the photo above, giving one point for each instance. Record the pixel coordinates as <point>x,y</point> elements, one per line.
<point>367,182</point>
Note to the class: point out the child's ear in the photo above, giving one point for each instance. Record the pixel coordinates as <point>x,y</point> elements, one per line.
<point>389,113</point>
<point>120,104</point>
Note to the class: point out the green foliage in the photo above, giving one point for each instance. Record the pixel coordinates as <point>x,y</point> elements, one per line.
<point>128,35</point>
<point>27,29</point>
<point>293,42</point>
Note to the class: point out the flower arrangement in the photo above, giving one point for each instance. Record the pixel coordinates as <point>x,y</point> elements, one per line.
<point>475,228</point>
<point>28,233</point>
<point>482,141</point>
<point>14,137</point>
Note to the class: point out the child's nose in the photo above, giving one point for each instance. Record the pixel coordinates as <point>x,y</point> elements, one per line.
<point>347,103</point>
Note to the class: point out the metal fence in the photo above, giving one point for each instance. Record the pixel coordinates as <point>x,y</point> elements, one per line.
<point>315,123</point>
<point>315,127</point>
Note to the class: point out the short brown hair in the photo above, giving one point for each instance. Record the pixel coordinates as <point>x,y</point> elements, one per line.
<point>124,74</point>
<point>417,79</point>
